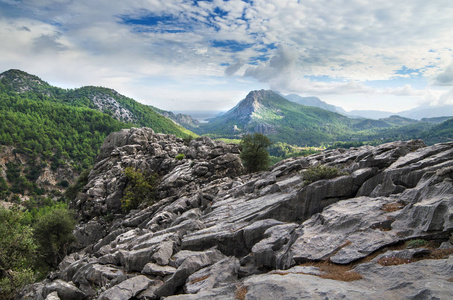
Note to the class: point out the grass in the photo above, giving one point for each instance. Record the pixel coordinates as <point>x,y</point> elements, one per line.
<point>416,243</point>
<point>240,292</point>
<point>390,207</point>
<point>198,279</point>
<point>339,272</point>
<point>330,270</point>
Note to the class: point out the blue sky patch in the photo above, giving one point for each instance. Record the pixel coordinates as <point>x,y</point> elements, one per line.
<point>231,45</point>
<point>414,73</point>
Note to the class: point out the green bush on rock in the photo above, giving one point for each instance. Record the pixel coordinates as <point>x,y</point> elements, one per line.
<point>254,155</point>
<point>140,189</point>
<point>320,172</point>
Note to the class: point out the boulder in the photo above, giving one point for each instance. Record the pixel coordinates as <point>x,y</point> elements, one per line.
<point>222,273</point>
<point>64,290</point>
<point>127,289</point>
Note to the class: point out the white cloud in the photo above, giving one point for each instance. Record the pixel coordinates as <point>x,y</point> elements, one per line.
<point>445,78</point>
<point>85,42</point>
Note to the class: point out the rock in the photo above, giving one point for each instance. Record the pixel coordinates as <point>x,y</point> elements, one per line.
<point>144,150</point>
<point>53,296</point>
<point>89,233</point>
<point>164,252</point>
<point>189,265</point>
<point>219,274</point>
<point>127,289</point>
<point>407,255</point>
<point>300,286</point>
<point>92,275</point>
<point>64,290</point>
<point>157,270</point>
<point>345,231</point>
<point>273,250</point>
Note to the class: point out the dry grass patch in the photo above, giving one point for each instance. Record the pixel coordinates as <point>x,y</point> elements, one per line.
<point>451,279</point>
<point>334,271</point>
<point>240,292</point>
<point>394,206</point>
<point>438,254</point>
<point>198,279</point>
<point>434,253</point>
<point>339,272</point>
<point>392,261</point>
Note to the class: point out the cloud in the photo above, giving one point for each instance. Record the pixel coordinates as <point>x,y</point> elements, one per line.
<point>445,78</point>
<point>231,69</point>
<point>285,45</point>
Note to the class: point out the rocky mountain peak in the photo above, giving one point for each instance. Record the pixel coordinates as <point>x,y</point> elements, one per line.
<point>385,220</point>
<point>22,82</point>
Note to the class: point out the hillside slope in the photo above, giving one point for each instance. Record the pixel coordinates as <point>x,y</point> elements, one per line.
<point>102,99</point>
<point>48,135</point>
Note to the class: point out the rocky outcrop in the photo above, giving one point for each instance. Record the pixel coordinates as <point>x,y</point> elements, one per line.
<point>203,161</point>
<point>217,235</point>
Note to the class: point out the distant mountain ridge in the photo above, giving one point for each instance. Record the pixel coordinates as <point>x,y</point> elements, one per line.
<point>314,101</point>
<point>268,112</point>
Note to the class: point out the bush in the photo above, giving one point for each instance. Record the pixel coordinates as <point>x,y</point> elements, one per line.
<point>53,234</point>
<point>254,155</point>
<point>416,243</point>
<point>73,190</point>
<point>320,172</point>
<point>180,156</point>
<point>17,253</point>
<point>140,189</point>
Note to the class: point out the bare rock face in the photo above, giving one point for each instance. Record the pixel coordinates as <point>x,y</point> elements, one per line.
<point>217,234</point>
<point>204,161</point>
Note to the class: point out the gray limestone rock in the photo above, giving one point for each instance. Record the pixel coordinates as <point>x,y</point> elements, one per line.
<point>64,290</point>
<point>221,235</point>
<point>157,270</point>
<point>219,274</point>
<point>127,289</point>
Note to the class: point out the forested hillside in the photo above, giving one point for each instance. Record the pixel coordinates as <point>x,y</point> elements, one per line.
<point>48,135</point>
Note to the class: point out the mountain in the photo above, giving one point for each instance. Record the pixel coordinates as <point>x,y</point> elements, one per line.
<point>49,135</point>
<point>314,101</point>
<point>428,111</point>
<point>184,120</point>
<point>105,100</point>
<point>418,113</point>
<point>269,113</point>
<point>380,229</point>
<point>369,114</point>
<point>396,120</point>
<point>435,120</point>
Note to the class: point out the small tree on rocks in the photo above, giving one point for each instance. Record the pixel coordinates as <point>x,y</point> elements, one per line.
<point>254,155</point>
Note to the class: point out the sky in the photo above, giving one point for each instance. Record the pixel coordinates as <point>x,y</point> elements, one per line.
<point>208,55</point>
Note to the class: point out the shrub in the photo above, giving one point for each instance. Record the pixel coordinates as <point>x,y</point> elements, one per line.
<point>320,172</point>
<point>64,183</point>
<point>416,243</point>
<point>17,253</point>
<point>187,139</point>
<point>180,156</point>
<point>254,155</point>
<point>53,234</point>
<point>73,190</point>
<point>140,189</point>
